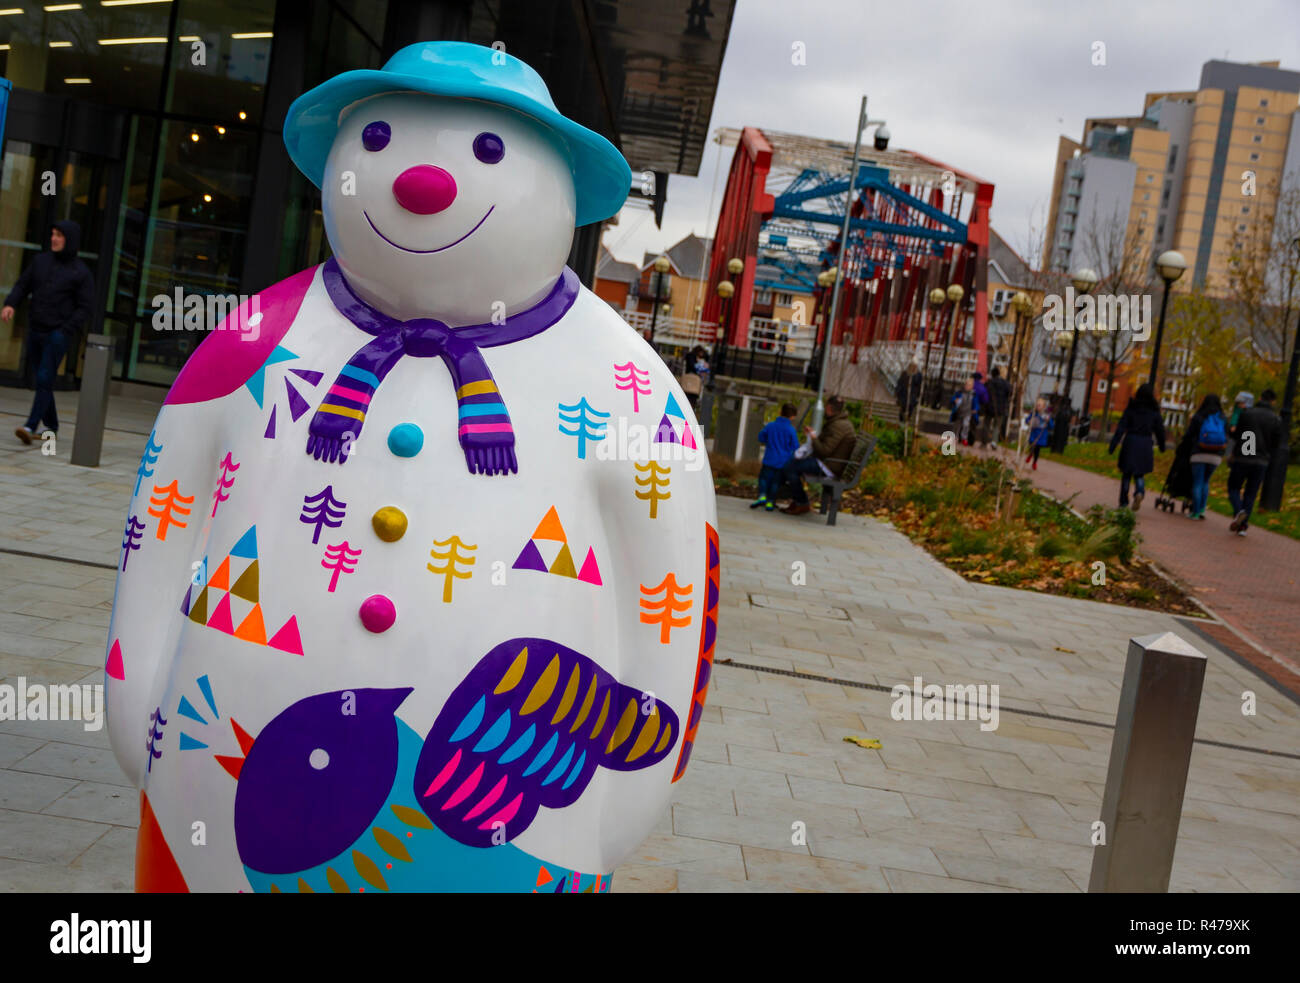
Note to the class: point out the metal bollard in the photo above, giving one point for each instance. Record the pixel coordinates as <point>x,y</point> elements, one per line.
<point>1149,758</point>
<point>92,405</point>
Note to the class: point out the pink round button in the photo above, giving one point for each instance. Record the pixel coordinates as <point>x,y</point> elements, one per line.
<point>377,613</point>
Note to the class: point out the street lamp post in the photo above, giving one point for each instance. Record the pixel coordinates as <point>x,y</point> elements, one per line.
<point>1275,481</point>
<point>1170,265</point>
<point>882,141</point>
<point>955,294</point>
<point>936,299</point>
<point>661,266</point>
<point>1085,281</point>
<point>726,290</point>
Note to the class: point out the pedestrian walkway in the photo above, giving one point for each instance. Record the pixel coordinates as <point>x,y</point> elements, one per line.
<point>817,625</point>
<point>1252,582</point>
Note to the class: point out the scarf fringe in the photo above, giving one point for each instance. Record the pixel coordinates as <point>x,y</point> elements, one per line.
<point>327,449</point>
<point>491,460</point>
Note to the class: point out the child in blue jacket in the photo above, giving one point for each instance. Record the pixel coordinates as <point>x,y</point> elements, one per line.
<point>780,440</point>
<point>1040,425</point>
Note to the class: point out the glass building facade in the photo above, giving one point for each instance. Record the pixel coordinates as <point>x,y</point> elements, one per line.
<point>156,125</point>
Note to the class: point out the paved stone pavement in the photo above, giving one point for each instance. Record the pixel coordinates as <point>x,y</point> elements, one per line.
<point>940,806</point>
<point>1252,581</point>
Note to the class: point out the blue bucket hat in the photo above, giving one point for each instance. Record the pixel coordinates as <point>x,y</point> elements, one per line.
<point>457,70</point>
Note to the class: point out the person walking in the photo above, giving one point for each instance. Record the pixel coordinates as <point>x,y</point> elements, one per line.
<point>780,440</point>
<point>1256,439</point>
<point>1204,442</point>
<point>1140,428</point>
<point>61,290</point>
<point>1040,425</point>
<point>999,391</point>
<point>907,391</point>
<point>965,410</point>
<point>830,453</point>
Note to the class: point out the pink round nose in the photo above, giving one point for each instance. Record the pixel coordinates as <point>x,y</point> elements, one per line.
<point>424,189</point>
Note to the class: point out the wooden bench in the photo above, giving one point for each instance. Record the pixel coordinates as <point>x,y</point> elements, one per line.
<point>832,489</point>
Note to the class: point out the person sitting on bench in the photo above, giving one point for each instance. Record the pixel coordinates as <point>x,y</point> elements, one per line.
<point>830,453</point>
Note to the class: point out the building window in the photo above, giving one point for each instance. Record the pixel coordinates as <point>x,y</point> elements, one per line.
<point>1101,385</point>
<point>1263,103</point>
<point>1245,209</point>
<point>1259,121</point>
<point>1257,138</point>
<point>1147,196</point>
<point>1254,157</point>
<point>1150,178</point>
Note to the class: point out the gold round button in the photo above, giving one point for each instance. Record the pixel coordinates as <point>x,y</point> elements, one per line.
<point>389,523</point>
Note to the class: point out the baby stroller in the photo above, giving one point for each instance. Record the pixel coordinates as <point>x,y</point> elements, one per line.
<point>1178,484</point>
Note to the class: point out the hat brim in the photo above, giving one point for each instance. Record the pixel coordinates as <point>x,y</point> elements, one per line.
<point>602,178</point>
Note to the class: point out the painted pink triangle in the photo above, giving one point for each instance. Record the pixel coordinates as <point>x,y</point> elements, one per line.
<point>114,666</point>
<point>287,638</point>
<point>530,558</point>
<point>590,572</point>
<point>220,619</point>
<point>688,438</point>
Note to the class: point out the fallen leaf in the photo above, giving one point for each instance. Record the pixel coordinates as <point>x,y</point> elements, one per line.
<point>867,742</point>
<point>1060,648</point>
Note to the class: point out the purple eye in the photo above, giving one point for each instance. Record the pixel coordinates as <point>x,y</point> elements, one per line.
<point>376,135</point>
<point>488,148</point>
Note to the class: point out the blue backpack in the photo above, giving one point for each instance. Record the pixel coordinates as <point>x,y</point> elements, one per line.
<point>1214,434</point>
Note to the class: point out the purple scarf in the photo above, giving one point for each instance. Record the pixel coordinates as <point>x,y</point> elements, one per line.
<point>484,430</point>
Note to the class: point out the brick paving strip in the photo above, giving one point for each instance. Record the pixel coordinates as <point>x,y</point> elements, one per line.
<point>1251,582</point>
<point>774,798</point>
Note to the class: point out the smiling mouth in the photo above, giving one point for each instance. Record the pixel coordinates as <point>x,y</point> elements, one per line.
<point>440,248</point>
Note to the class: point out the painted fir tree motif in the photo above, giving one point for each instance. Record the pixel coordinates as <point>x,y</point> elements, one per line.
<point>156,725</point>
<point>656,479</point>
<point>661,612</point>
<point>224,482</point>
<point>322,510</point>
<point>341,559</point>
<point>147,461</point>
<point>131,538</point>
<point>450,558</point>
<point>588,423</point>
<point>630,378</point>
<point>168,505</point>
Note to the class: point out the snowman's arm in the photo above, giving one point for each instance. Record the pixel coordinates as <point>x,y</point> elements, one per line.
<point>168,516</point>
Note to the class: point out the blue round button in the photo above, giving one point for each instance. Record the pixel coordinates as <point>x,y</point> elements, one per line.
<point>405,440</point>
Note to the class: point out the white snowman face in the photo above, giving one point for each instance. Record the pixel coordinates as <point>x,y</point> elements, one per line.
<point>444,208</point>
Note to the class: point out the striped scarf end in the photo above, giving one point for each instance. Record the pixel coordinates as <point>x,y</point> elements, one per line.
<point>327,449</point>
<point>491,460</point>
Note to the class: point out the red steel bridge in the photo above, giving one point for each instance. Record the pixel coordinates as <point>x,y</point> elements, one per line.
<point>916,224</point>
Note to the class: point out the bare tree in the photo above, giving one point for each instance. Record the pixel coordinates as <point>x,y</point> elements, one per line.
<point>1263,276</point>
<point>1124,267</point>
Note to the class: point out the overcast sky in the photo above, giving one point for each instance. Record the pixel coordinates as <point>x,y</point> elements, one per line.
<point>986,86</point>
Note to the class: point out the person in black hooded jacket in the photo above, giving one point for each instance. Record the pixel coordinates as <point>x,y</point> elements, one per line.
<point>1139,428</point>
<point>62,293</point>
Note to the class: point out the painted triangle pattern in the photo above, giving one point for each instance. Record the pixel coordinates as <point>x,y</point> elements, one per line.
<point>230,600</point>
<point>256,383</point>
<point>550,531</point>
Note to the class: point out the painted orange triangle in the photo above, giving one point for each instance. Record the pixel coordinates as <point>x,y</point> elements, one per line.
<point>231,764</point>
<point>221,578</point>
<point>242,736</point>
<point>550,528</point>
<point>251,629</point>
<point>563,564</point>
<point>543,876</point>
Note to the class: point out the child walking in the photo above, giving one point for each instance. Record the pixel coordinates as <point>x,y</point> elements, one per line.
<point>1040,424</point>
<point>780,440</point>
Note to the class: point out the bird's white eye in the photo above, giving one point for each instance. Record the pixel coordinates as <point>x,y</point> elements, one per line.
<point>318,759</point>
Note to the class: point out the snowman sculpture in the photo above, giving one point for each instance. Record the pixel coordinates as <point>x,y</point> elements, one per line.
<point>419,583</point>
